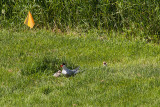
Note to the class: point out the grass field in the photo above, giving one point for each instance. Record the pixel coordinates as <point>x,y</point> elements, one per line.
<point>29,59</point>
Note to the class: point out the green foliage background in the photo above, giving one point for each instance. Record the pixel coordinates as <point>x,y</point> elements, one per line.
<point>131,16</point>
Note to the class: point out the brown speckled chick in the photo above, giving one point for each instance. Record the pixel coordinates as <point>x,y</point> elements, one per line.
<point>104,64</point>
<point>57,74</point>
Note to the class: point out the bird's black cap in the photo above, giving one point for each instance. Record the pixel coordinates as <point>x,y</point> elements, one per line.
<point>63,63</point>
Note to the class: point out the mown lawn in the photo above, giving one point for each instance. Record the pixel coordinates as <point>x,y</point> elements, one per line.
<point>29,59</point>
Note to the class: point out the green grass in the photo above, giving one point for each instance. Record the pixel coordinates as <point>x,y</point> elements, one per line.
<point>29,59</point>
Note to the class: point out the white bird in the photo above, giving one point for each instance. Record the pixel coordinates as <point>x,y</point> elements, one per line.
<point>69,72</point>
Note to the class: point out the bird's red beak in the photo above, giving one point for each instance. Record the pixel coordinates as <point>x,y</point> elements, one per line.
<point>61,65</point>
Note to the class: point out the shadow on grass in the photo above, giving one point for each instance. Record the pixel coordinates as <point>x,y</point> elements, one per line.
<point>45,65</point>
<point>46,90</point>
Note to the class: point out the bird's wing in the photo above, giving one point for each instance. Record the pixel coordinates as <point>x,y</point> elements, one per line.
<point>76,70</point>
<point>70,72</point>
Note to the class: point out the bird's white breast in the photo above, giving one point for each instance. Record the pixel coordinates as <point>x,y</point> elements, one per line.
<point>64,72</point>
